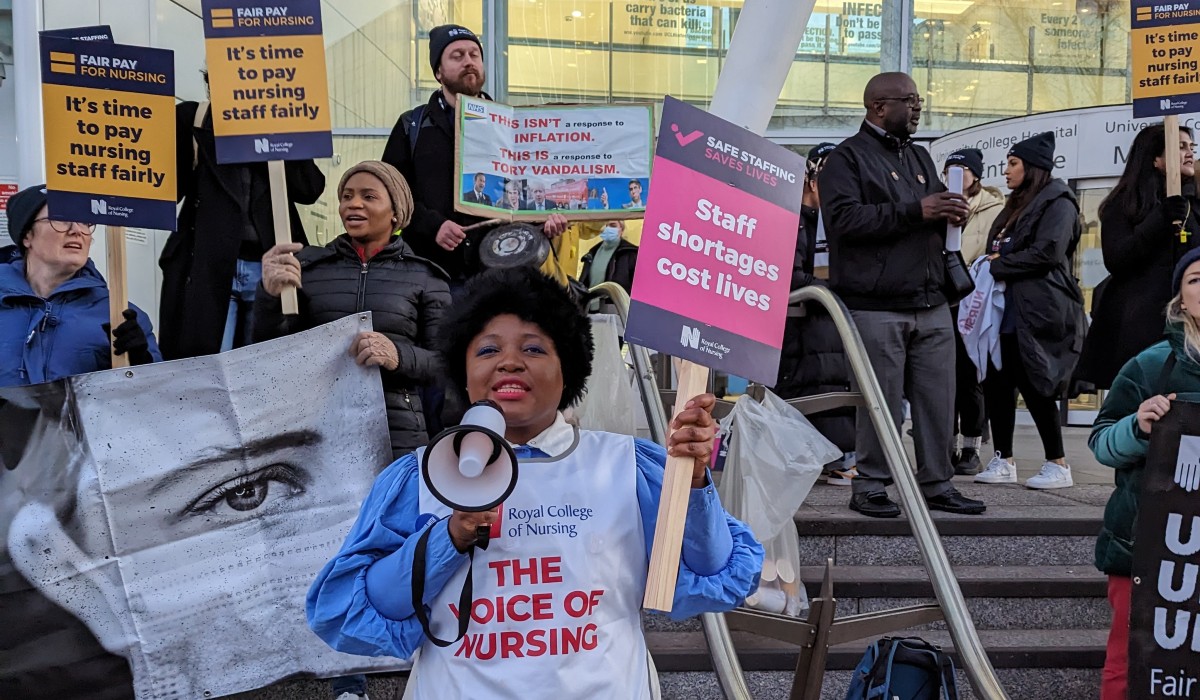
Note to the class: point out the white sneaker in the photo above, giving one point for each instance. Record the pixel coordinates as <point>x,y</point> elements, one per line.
<point>351,696</point>
<point>1052,476</point>
<point>999,471</point>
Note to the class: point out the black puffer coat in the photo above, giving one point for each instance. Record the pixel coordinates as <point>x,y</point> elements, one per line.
<point>1044,295</point>
<point>813,360</point>
<point>407,297</point>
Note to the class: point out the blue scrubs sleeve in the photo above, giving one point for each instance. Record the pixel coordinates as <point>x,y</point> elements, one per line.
<point>361,602</point>
<point>721,559</point>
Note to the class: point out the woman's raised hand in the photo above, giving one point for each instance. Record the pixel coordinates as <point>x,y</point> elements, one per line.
<point>280,268</point>
<point>692,435</point>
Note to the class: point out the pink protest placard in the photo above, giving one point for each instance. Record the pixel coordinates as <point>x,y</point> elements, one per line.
<point>715,264</point>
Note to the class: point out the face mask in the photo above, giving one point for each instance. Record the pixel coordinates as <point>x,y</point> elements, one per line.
<point>610,234</point>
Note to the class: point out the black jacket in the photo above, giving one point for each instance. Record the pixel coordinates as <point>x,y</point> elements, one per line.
<point>882,254</point>
<point>1041,291</point>
<point>813,359</point>
<point>429,170</point>
<point>620,265</point>
<point>407,297</point>
<point>199,259</point>
<point>1140,255</point>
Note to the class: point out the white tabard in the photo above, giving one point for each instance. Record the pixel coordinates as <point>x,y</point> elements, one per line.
<point>558,594</point>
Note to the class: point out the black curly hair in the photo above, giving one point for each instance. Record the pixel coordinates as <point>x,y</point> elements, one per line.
<point>532,297</point>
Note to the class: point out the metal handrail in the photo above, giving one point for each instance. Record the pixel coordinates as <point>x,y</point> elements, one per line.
<point>941,575</point>
<point>716,633</point>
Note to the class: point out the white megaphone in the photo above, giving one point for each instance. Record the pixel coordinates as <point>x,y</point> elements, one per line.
<point>471,467</point>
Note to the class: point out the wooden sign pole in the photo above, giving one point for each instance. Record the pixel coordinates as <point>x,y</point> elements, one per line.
<point>1171,153</point>
<point>283,227</point>
<point>118,294</point>
<point>673,503</point>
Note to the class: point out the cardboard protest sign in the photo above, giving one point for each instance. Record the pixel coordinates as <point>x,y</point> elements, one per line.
<point>100,32</point>
<point>1165,37</point>
<point>162,525</point>
<point>714,269</point>
<point>525,163</point>
<point>1164,624</point>
<point>109,114</point>
<point>266,76</point>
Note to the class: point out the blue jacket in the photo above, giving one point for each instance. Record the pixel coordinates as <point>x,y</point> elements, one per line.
<point>46,339</point>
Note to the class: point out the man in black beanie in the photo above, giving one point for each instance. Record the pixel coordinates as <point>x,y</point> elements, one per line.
<point>421,147</point>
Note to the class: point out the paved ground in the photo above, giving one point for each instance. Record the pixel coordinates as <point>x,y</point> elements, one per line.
<point>1029,456</point>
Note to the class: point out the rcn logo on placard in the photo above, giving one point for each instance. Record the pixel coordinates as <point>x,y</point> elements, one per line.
<point>99,206</point>
<point>262,145</point>
<point>1168,103</point>
<point>690,338</point>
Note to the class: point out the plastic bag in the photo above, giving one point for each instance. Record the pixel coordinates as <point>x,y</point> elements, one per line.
<point>610,403</point>
<point>775,456</point>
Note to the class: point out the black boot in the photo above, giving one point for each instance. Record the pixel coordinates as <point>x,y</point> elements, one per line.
<point>967,463</point>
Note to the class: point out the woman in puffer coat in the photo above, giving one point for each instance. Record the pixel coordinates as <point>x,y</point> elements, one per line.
<point>1041,332</point>
<point>1140,396</point>
<point>368,268</point>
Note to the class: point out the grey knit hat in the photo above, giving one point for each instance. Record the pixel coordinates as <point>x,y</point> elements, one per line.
<point>393,181</point>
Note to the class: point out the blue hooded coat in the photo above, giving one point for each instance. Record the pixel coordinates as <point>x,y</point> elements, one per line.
<point>46,339</point>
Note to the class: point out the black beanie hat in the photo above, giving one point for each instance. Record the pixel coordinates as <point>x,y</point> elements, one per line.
<point>1037,150</point>
<point>969,158</point>
<point>22,210</point>
<point>820,151</point>
<point>442,36</point>
<point>1184,263</point>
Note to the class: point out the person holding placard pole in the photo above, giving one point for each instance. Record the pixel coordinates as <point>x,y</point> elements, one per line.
<point>1041,331</point>
<point>368,268</point>
<point>212,263</point>
<point>54,304</point>
<point>571,571</point>
<point>1141,395</point>
<point>1144,232</point>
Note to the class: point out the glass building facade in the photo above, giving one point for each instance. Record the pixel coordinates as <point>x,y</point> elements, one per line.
<point>974,61</point>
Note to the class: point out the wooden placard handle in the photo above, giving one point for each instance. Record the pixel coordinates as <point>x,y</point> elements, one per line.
<point>283,227</point>
<point>1171,153</point>
<point>118,294</point>
<point>673,503</point>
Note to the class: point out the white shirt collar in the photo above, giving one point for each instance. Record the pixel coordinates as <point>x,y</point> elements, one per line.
<point>556,439</point>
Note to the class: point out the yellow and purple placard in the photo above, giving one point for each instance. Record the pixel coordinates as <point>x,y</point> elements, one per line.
<point>715,265</point>
<point>109,117</point>
<point>266,75</point>
<point>1165,36</point>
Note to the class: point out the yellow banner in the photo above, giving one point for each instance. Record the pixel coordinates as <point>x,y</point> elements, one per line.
<point>1166,60</point>
<point>268,85</point>
<point>109,142</point>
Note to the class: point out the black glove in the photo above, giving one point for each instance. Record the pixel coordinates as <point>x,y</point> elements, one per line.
<point>130,339</point>
<point>1176,210</point>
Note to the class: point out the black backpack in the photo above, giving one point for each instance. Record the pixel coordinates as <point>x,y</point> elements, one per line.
<point>903,668</point>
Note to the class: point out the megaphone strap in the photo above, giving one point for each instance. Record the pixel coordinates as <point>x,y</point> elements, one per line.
<point>465,599</point>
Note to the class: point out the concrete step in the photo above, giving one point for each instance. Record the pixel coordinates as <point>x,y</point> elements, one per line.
<point>1011,649</point>
<point>998,597</point>
<point>1020,528</point>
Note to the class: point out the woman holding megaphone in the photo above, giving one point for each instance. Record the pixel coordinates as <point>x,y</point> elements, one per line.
<point>551,608</point>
